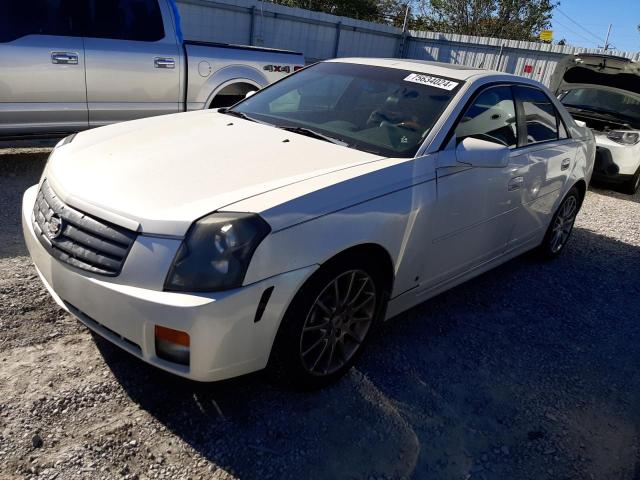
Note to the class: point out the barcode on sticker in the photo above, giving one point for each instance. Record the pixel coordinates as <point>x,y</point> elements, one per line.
<point>431,81</point>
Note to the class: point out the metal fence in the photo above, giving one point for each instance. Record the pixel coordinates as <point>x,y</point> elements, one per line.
<point>320,36</point>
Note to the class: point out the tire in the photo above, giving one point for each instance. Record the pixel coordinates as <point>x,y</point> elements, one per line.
<point>561,225</point>
<point>320,338</point>
<point>633,185</point>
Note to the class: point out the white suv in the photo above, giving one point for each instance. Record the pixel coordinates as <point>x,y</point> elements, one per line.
<point>604,93</point>
<point>282,230</point>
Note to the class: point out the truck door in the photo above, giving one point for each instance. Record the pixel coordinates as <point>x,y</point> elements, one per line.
<point>42,86</point>
<point>133,60</point>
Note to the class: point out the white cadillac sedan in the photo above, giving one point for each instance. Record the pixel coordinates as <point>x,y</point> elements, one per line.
<point>282,230</point>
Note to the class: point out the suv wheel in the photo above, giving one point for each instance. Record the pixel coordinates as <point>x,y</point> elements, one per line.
<point>633,185</point>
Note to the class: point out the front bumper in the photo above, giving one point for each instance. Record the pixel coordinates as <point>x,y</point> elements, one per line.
<point>224,339</point>
<point>615,162</point>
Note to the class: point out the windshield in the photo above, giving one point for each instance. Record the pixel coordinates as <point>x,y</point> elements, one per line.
<point>385,111</point>
<point>624,107</point>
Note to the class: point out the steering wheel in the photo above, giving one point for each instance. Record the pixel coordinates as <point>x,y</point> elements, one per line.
<point>379,116</point>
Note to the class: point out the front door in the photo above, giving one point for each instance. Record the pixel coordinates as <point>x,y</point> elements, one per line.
<point>476,207</point>
<point>133,61</point>
<point>42,84</point>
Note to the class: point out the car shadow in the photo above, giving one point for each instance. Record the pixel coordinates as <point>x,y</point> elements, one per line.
<point>492,376</point>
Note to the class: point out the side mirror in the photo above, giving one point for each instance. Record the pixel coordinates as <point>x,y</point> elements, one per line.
<point>250,93</point>
<point>480,153</point>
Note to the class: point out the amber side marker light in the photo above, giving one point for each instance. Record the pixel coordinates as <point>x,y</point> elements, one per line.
<point>172,345</point>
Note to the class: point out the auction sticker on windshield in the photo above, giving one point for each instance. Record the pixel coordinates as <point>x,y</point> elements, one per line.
<point>431,81</point>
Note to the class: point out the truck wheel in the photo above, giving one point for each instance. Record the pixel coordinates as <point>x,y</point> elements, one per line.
<point>561,225</point>
<point>328,324</point>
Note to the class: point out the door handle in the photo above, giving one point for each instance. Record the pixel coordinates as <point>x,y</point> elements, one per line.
<point>64,58</point>
<point>565,164</point>
<point>515,184</point>
<point>160,62</point>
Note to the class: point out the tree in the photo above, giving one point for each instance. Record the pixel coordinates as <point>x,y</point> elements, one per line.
<point>382,11</point>
<point>360,9</point>
<point>513,19</point>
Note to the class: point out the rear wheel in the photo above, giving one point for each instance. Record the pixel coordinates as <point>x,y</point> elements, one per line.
<point>328,324</point>
<point>561,225</point>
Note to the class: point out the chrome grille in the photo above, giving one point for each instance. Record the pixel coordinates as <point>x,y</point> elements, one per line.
<point>78,239</point>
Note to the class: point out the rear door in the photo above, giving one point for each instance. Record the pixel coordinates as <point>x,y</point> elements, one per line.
<point>133,60</point>
<point>547,157</point>
<point>42,85</point>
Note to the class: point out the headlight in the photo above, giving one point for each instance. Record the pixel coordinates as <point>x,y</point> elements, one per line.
<point>65,140</point>
<point>216,252</point>
<point>625,137</point>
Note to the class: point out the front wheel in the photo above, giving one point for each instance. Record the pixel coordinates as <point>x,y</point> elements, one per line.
<point>561,225</point>
<point>633,184</point>
<point>328,324</point>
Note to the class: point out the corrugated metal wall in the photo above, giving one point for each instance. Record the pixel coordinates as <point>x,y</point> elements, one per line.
<point>320,36</point>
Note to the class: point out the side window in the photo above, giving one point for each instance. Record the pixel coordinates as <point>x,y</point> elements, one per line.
<point>541,120</point>
<point>38,17</point>
<point>139,20</point>
<point>491,117</point>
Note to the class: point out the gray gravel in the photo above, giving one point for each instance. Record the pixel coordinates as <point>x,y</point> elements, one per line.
<point>527,372</point>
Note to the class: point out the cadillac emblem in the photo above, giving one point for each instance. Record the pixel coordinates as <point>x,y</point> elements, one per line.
<point>54,227</point>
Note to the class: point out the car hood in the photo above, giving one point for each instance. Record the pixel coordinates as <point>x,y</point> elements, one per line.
<point>596,70</point>
<point>160,174</point>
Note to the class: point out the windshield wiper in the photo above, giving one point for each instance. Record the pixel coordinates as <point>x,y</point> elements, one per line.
<point>242,115</point>
<point>313,134</point>
<point>228,111</point>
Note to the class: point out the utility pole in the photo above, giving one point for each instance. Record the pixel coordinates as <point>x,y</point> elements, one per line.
<point>405,24</point>
<point>405,33</point>
<point>606,42</point>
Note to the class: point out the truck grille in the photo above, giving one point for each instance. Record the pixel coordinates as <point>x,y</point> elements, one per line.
<point>76,238</point>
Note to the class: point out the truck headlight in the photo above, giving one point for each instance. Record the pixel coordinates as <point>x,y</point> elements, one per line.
<point>216,252</point>
<point>625,137</point>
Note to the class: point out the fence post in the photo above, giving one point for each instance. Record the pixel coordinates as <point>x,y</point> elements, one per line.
<point>500,56</point>
<point>252,26</point>
<point>337,43</point>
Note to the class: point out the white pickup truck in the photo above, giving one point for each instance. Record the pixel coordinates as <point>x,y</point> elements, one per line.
<point>69,65</point>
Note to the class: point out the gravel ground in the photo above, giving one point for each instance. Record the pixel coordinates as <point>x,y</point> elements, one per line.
<point>527,372</point>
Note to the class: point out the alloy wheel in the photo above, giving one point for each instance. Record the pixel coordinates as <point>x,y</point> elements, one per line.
<point>338,322</point>
<point>563,223</point>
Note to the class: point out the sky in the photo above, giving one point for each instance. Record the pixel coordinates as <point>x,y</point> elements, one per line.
<point>592,18</point>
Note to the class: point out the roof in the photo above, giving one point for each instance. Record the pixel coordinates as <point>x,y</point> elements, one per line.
<point>458,72</point>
